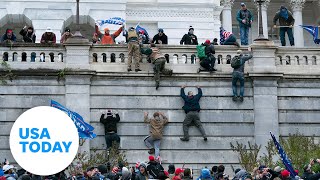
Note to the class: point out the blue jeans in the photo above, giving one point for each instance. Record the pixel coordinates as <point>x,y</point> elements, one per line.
<point>283,31</point>
<point>244,34</point>
<point>237,76</point>
<point>153,143</point>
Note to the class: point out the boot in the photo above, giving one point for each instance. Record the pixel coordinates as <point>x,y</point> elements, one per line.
<point>157,85</point>
<point>151,151</point>
<point>184,139</point>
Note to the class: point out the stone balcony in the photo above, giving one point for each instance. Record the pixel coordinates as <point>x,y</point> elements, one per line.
<point>182,59</point>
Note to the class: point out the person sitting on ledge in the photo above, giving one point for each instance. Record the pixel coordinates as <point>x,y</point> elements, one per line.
<point>227,38</point>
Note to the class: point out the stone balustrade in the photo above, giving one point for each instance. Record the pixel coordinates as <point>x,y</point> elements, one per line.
<point>182,59</point>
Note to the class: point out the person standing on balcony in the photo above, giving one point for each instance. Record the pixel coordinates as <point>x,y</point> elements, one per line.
<point>108,38</point>
<point>237,63</point>
<point>156,125</point>
<point>133,48</point>
<point>110,119</point>
<point>191,108</point>
<point>28,34</point>
<point>245,18</point>
<point>8,37</point>
<point>160,38</point>
<point>159,61</point>
<point>66,35</point>
<point>190,38</point>
<point>48,37</point>
<point>286,22</point>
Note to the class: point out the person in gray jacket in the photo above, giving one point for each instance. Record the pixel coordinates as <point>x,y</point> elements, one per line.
<point>238,75</point>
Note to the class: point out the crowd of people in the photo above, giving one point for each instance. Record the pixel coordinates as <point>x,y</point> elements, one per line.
<point>153,169</point>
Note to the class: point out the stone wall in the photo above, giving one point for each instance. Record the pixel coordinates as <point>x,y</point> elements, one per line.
<point>281,95</point>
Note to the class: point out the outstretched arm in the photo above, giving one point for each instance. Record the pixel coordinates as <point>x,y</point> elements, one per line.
<point>199,92</point>
<point>182,94</point>
<point>117,33</point>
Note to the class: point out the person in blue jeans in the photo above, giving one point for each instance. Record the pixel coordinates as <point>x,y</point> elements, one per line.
<point>238,75</point>
<point>286,22</point>
<point>245,18</point>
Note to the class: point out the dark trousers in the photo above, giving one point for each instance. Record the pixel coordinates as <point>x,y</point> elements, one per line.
<point>208,62</point>
<point>231,40</point>
<point>283,31</point>
<point>237,76</point>
<point>192,118</point>
<point>111,138</point>
<point>159,67</point>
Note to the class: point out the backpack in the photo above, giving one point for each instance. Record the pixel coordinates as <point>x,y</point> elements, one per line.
<point>157,171</point>
<point>235,62</point>
<point>201,51</point>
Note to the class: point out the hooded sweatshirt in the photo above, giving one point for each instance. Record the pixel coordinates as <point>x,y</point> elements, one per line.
<point>285,17</point>
<point>205,175</point>
<point>156,126</point>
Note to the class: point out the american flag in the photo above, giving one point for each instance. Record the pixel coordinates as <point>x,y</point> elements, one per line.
<point>285,160</point>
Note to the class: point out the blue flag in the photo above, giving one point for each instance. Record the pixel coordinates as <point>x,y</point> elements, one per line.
<point>84,129</point>
<point>285,160</point>
<point>139,28</point>
<point>114,20</point>
<point>314,31</point>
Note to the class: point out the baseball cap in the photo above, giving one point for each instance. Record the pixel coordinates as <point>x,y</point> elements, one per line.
<point>242,4</point>
<point>6,168</point>
<point>49,29</point>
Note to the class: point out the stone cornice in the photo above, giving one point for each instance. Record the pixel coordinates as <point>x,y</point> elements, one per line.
<point>227,3</point>
<point>169,14</point>
<point>297,4</point>
<point>264,5</point>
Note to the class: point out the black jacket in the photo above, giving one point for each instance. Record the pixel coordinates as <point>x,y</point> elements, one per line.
<point>162,38</point>
<point>209,50</point>
<point>310,176</point>
<point>189,39</point>
<point>110,122</point>
<point>191,103</point>
<point>27,37</point>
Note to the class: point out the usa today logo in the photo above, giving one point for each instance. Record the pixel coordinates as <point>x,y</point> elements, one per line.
<point>44,140</point>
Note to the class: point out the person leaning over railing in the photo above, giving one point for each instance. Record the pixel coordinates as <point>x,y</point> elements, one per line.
<point>66,35</point>
<point>48,37</point>
<point>28,34</point>
<point>286,22</point>
<point>8,37</point>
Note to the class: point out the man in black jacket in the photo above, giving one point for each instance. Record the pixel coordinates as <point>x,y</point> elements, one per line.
<point>190,38</point>
<point>308,174</point>
<point>208,62</point>
<point>160,38</point>
<point>110,119</point>
<point>192,109</point>
<point>28,34</point>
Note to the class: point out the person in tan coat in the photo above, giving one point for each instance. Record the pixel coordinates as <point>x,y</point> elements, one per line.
<point>157,124</point>
<point>159,61</point>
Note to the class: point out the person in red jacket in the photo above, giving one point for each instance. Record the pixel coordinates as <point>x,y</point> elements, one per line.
<point>108,38</point>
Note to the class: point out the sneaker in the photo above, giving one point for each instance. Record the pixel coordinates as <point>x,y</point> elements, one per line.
<point>235,98</point>
<point>205,139</point>
<point>129,69</point>
<point>241,98</point>
<point>151,151</point>
<point>184,139</point>
<point>137,70</point>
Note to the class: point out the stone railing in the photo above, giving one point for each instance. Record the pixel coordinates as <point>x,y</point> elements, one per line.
<point>32,56</point>
<point>182,59</point>
<point>298,60</point>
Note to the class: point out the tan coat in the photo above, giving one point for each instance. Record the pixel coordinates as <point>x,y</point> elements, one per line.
<point>155,54</point>
<point>156,127</point>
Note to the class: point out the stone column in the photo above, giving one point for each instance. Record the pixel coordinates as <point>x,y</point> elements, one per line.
<point>265,82</point>
<point>78,84</point>
<point>226,14</point>
<point>297,6</point>
<point>265,18</point>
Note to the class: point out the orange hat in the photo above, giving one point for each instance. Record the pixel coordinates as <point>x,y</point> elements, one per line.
<point>106,29</point>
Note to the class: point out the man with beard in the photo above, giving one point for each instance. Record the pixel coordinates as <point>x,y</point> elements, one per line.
<point>28,34</point>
